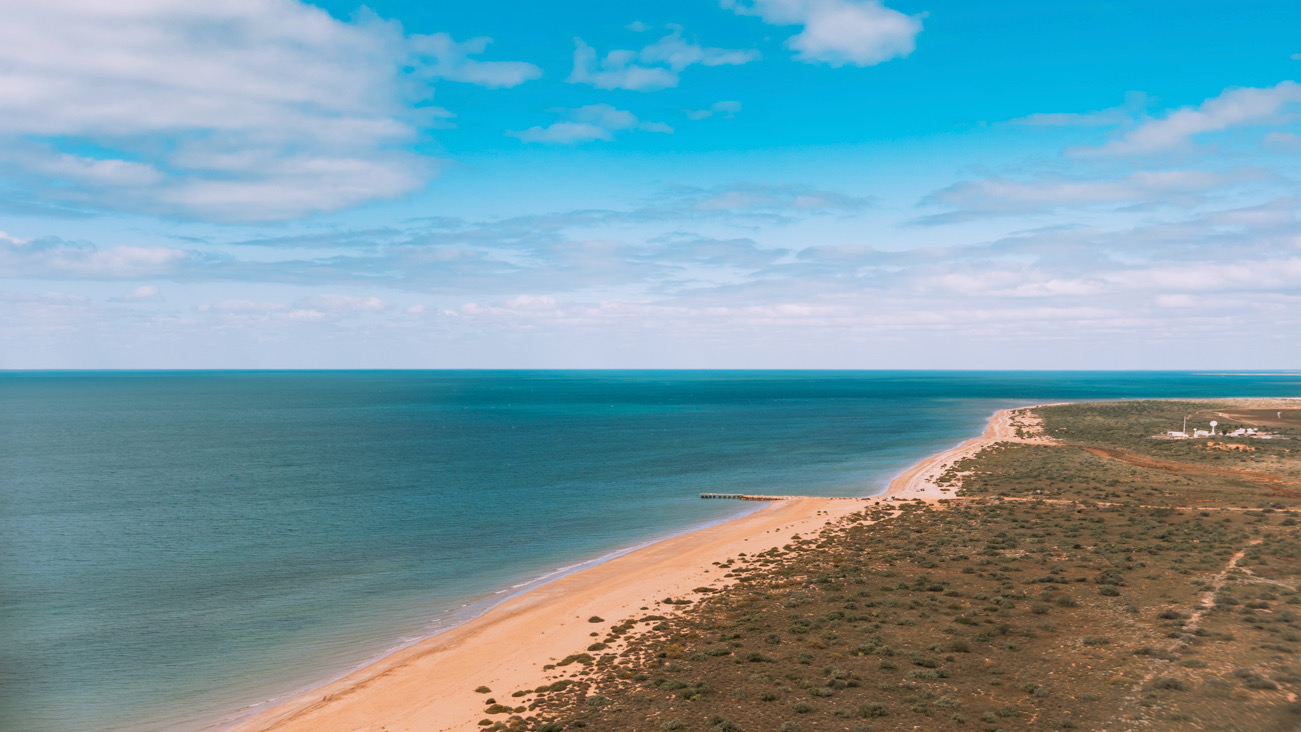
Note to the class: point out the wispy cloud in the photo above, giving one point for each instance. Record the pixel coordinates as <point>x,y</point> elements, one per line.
<point>1232,108</point>
<point>999,196</point>
<point>656,66</point>
<point>1208,276</point>
<point>1135,103</point>
<point>59,259</point>
<point>839,32</point>
<point>308,309</point>
<point>585,124</point>
<point>143,293</point>
<point>439,56</point>
<point>749,202</point>
<point>1283,142</point>
<point>722,109</point>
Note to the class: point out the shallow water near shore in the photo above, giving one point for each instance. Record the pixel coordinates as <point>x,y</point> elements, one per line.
<point>177,546</point>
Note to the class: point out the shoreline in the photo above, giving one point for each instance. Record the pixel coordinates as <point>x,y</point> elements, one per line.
<point>486,603</point>
<point>429,684</point>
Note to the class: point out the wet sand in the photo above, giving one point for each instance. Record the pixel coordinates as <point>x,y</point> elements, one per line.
<point>430,685</point>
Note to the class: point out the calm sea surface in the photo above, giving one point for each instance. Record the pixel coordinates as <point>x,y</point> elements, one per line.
<point>177,546</point>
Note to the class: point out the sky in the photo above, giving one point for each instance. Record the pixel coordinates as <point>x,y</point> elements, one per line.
<point>680,184</point>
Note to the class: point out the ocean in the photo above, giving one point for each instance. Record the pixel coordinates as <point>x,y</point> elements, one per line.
<point>177,548</point>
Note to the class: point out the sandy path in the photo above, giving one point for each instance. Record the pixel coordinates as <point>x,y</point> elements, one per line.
<point>1271,481</point>
<point>429,686</point>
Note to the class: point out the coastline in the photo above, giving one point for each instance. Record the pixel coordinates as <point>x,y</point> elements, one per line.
<point>429,685</point>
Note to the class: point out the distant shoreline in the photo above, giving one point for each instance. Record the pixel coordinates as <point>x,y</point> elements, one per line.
<point>506,646</point>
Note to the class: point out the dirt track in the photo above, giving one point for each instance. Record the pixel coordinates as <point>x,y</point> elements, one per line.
<point>1274,483</point>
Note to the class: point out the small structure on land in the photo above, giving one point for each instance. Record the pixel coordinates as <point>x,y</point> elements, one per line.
<point>1184,434</point>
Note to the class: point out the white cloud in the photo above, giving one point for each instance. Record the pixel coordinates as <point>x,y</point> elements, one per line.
<point>564,133</point>
<point>243,306</point>
<point>1232,108</point>
<point>1203,279</point>
<point>1001,196</point>
<point>246,111</point>
<point>657,66</point>
<point>343,304</point>
<point>1282,142</point>
<point>1135,103</point>
<point>756,198</point>
<point>1176,301</point>
<point>520,306</point>
<point>593,122</point>
<point>723,109</point>
<point>839,32</point>
<point>1210,277</point>
<point>57,258</point>
<point>450,60</point>
<point>308,309</point>
<point>143,293</point>
<point>97,171</point>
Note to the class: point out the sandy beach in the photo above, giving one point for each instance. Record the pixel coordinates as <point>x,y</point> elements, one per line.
<point>430,686</point>
<point>1005,425</point>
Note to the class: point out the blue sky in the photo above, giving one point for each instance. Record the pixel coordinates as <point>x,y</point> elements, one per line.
<point>719,183</point>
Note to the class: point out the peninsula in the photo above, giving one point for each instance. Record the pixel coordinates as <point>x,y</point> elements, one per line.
<point>1063,570</point>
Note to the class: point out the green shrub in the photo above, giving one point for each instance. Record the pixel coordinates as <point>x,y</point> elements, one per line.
<point>871,711</point>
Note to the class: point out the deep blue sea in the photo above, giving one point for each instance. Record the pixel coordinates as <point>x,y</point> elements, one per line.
<point>178,546</point>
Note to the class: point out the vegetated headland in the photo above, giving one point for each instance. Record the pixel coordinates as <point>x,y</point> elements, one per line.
<point>1072,568</point>
<point>1085,577</point>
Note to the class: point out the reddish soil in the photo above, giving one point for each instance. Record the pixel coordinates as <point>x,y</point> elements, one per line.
<point>1273,482</point>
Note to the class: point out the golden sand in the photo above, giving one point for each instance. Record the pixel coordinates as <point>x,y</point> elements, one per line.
<point>430,686</point>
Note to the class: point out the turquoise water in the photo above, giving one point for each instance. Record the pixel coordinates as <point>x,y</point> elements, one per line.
<point>177,546</point>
